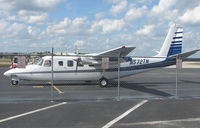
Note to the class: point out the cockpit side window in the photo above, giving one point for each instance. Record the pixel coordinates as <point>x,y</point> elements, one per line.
<point>47,63</point>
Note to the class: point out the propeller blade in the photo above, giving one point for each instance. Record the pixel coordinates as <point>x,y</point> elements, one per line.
<point>77,65</point>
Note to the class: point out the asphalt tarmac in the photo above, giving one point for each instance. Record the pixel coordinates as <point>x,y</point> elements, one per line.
<point>146,100</point>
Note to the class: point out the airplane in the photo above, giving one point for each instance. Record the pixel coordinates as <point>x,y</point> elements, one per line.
<point>102,67</point>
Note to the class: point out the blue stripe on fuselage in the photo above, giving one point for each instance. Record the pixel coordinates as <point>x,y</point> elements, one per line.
<point>127,59</point>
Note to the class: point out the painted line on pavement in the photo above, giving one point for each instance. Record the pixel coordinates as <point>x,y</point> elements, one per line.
<point>31,112</point>
<point>161,122</point>
<point>37,86</point>
<point>59,91</point>
<point>109,124</point>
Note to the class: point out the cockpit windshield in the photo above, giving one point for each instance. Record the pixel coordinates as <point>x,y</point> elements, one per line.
<point>39,62</point>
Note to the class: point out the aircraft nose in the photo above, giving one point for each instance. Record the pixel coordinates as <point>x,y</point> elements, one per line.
<point>7,73</point>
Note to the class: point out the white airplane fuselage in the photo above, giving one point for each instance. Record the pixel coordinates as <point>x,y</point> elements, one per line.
<point>64,69</point>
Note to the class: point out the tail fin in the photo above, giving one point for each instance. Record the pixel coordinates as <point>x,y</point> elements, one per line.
<point>173,42</point>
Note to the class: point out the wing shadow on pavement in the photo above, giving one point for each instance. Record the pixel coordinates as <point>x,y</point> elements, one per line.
<point>145,87</point>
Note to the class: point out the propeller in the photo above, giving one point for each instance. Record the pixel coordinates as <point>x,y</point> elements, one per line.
<point>78,61</point>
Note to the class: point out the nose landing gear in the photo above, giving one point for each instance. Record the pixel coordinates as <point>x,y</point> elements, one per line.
<point>14,82</point>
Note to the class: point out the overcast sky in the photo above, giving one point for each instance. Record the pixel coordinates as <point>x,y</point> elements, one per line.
<point>95,25</point>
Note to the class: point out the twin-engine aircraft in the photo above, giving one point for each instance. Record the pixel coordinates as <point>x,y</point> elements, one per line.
<point>89,67</point>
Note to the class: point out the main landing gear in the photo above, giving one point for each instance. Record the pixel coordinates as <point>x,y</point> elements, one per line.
<point>103,82</point>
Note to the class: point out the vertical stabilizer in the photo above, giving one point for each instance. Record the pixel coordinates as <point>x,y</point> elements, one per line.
<point>173,42</point>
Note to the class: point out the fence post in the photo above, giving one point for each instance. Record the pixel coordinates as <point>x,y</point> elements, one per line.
<point>52,81</point>
<point>118,96</point>
<point>178,67</point>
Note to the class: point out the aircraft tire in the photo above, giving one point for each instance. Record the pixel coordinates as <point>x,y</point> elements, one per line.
<point>14,82</point>
<point>103,82</point>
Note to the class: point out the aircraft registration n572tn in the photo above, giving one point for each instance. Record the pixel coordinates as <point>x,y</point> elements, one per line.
<point>89,67</point>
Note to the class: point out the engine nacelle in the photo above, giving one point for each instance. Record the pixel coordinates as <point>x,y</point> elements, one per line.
<point>88,60</point>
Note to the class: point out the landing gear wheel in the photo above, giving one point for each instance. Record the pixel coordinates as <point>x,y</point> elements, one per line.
<point>103,82</point>
<point>14,82</point>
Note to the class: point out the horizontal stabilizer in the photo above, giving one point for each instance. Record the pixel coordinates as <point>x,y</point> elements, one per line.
<point>192,59</point>
<point>185,54</point>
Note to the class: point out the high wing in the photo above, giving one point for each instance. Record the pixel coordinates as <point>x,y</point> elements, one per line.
<point>117,52</point>
<point>96,59</point>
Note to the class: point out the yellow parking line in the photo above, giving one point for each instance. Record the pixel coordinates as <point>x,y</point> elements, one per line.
<point>38,86</point>
<point>59,91</point>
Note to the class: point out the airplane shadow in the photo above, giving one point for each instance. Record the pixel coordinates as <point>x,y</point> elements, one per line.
<point>189,81</point>
<point>59,84</point>
<point>144,87</point>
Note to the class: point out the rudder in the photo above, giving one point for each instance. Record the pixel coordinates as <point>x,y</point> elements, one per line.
<point>176,43</point>
<point>173,42</point>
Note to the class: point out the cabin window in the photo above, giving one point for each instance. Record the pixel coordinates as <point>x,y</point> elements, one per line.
<point>60,63</point>
<point>70,63</point>
<point>47,63</point>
